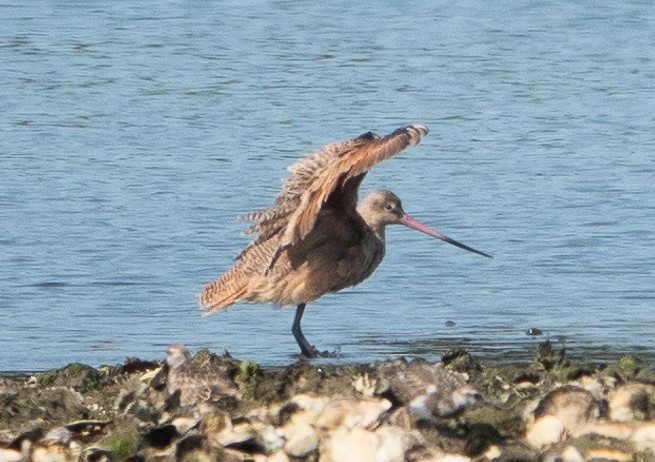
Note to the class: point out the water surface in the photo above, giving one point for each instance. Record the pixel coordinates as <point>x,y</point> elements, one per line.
<point>133,135</point>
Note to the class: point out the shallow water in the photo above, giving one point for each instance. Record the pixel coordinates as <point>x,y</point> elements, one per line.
<point>134,135</point>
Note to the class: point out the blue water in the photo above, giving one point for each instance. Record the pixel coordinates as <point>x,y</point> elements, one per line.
<point>134,133</point>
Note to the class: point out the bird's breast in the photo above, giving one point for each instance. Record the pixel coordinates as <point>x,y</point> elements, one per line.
<point>339,252</point>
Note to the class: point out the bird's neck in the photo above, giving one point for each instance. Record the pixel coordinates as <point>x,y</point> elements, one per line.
<point>373,222</point>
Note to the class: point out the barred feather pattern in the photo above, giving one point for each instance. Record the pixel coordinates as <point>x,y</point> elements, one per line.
<point>328,178</point>
<point>273,221</point>
<point>322,174</point>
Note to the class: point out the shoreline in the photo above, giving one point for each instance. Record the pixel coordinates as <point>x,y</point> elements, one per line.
<point>521,354</point>
<point>552,406</point>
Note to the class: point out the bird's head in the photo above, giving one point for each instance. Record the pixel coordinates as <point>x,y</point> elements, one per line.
<point>176,355</point>
<point>382,208</point>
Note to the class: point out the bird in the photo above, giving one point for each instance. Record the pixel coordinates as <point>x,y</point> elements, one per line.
<point>196,381</point>
<point>315,239</point>
<point>429,390</point>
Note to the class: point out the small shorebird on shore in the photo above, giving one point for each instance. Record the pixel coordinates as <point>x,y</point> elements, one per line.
<point>196,381</point>
<point>315,239</point>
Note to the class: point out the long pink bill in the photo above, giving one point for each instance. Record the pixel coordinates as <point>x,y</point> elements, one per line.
<point>418,226</point>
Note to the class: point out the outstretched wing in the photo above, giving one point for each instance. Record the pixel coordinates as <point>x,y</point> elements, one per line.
<point>328,178</point>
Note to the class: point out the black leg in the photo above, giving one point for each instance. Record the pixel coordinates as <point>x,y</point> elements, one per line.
<point>306,348</point>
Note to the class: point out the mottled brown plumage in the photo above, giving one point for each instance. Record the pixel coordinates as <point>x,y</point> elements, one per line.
<point>196,381</point>
<point>314,239</point>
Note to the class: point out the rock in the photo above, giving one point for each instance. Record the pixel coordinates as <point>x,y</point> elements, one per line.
<point>353,412</point>
<point>402,418</point>
<point>451,458</point>
<point>632,401</point>
<point>571,454</point>
<point>644,437</point>
<point>184,423</point>
<point>616,430</point>
<point>162,437</point>
<point>350,413</point>
<point>52,453</point>
<point>278,456</point>
<point>437,455</point>
<point>573,406</point>
<point>96,454</point>
<point>429,390</point>
<point>480,436</point>
<point>460,360</point>
<point>394,443</point>
<point>365,385</point>
<point>270,438</point>
<point>242,432</point>
<point>59,435</point>
<point>219,430</point>
<point>311,403</point>
<point>192,448</point>
<point>143,411</point>
<point>386,444</point>
<point>329,414</point>
<point>75,376</point>
<point>301,439</point>
<point>215,425</point>
<point>10,455</point>
<point>57,404</point>
<point>493,452</point>
<point>607,454</point>
<point>545,430</point>
<point>353,444</point>
<point>150,376</point>
<point>594,385</point>
<point>24,442</point>
<point>84,429</point>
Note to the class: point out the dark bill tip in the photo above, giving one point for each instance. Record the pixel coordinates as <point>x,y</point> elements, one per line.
<point>418,226</point>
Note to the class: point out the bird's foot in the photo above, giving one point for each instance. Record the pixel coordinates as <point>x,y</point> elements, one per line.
<point>309,351</point>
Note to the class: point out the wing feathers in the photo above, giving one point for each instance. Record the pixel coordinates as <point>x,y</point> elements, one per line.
<point>331,175</point>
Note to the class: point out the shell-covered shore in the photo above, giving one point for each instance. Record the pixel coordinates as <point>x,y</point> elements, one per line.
<point>211,407</point>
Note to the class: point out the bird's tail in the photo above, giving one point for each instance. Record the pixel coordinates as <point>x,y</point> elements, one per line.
<point>224,291</point>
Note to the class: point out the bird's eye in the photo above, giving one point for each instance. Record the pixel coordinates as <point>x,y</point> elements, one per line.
<point>388,207</point>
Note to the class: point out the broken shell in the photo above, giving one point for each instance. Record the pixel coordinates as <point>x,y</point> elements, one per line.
<point>351,413</point>
<point>51,453</point>
<point>185,423</point>
<point>59,435</point>
<point>571,454</point>
<point>353,444</point>
<point>95,454</point>
<point>644,437</point>
<point>544,431</point>
<point>271,438</point>
<point>10,455</point>
<point>84,428</point>
<point>615,455</point>
<point>394,443</point>
<point>301,439</point>
<point>632,401</point>
<point>573,406</point>
<point>278,456</point>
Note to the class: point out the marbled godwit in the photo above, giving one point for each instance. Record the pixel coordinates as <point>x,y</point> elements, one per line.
<point>315,239</point>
